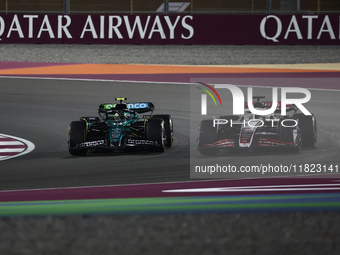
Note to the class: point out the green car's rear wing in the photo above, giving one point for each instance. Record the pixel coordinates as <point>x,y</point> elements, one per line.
<point>137,107</point>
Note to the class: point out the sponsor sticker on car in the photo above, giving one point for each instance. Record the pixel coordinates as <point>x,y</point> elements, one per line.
<point>92,143</point>
<point>139,142</point>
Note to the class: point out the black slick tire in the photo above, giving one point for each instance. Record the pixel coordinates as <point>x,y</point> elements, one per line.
<point>287,135</point>
<point>308,129</point>
<point>76,135</point>
<point>207,135</point>
<point>169,130</point>
<point>155,131</point>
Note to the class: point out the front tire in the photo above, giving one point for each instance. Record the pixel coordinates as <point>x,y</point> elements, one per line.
<point>291,135</point>
<point>155,131</point>
<point>168,125</point>
<point>206,136</point>
<point>76,135</point>
<point>308,129</point>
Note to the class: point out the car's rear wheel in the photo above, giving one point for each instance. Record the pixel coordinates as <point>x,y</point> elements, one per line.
<point>155,131</point>
<point>76,135</point>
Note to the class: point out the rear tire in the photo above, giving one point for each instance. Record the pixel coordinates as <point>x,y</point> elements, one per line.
<point>308,129</point>
<point>168,125</point>
<point>155,131</point>
<point>76,135</point>
<point>207,135</point>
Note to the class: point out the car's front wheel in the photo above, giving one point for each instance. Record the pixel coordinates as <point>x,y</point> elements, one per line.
<point>308,129</point>
<point>290,134</point>
<point>155,131</point>
<point>76,135</point>
<point>207,136</point>
<point>169,130</point>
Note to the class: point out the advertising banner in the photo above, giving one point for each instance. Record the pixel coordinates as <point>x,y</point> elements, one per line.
<point>171,29</point>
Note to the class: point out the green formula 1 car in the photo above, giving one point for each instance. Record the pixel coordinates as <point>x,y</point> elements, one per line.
<point>120,127</point>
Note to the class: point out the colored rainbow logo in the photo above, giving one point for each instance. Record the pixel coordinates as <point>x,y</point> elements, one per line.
<point>209,93</point>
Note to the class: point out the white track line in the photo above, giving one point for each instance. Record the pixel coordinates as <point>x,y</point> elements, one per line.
<point>299,187</point>
<point>149,82</point>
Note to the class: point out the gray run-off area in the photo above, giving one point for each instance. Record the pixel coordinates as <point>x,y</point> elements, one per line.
<point>252,233</point>
<point>170,54</point>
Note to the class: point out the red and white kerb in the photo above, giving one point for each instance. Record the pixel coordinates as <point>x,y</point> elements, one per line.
<point>11,146</point>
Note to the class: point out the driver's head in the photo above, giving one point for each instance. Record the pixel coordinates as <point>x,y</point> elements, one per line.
<point>122,115</point>
<point>127,115</point>
<point>258,105</point>
<point>116,116</point>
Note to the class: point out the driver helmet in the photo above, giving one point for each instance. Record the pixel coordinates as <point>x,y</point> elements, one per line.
<point>122,115</point>
<point>258,105</point>
<point>127,115</point>
<point>116,116</point>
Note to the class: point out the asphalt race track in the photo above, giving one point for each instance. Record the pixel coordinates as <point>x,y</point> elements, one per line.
<point>40,110</point>
<point>322,105</point>
<point>244,216</point>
